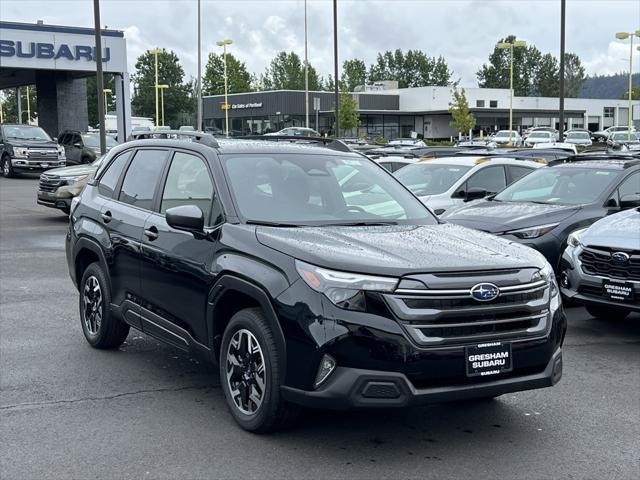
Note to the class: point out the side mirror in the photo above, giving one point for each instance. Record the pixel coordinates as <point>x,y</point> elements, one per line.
<point>630,201</point>
<point>475,193</point>
<point>77,145</point>
<point>185,217</point>
<point>612,203</point>
<point>55,139</point>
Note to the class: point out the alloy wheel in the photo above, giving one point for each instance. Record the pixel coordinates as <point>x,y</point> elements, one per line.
<point>245,372</point>
<point>92,300</point>
<point>5,168</point>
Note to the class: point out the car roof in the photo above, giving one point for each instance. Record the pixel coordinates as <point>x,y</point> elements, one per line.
<point>472,161</point>
<point>601,164</point>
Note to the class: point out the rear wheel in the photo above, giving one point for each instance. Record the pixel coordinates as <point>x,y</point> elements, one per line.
<point>607,313</point>
<point>7,168</point>
<point>101,329</point>
<point>251,371</point>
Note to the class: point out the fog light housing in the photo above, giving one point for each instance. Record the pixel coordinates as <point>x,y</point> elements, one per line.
<point>326,368</point>
<point>564,280</point>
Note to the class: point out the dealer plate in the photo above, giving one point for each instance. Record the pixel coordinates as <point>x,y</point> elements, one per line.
<point>618,290</point>
<point>488,359</point>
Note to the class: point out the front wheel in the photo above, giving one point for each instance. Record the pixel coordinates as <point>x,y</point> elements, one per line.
<point>607,313</point>
<point>251,370</point>
<point>7,168</point>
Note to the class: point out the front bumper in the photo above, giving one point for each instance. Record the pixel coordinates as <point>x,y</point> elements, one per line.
<point>37,164</point>
<point>356,388</point>
<point>51,200</point>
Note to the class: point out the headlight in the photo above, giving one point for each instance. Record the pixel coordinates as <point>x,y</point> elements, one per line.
<point>345,290</point>
<point>549,275</point>
<point>574,237</point>
<point>532,232</point>
<point>20,152</point>
<point>73,179</point>
<point>61,154</point>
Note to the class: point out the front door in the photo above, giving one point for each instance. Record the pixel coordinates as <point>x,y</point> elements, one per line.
<point>176,265</point>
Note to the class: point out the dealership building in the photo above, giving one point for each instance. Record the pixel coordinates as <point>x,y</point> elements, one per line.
<point>397,112</point>
<point>57,59</point>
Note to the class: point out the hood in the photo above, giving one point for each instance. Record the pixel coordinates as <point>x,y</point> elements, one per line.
<point>497,217</point>
<point>621,230</point>
<point>399,250</point>
<point>18,142</point>
<point>73,170</point>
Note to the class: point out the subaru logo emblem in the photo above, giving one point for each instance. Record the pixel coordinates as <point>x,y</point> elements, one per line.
<point>484,292</point>
<point>620,258</point>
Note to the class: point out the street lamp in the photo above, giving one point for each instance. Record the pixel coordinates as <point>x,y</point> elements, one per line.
<point>223,44</point>
<point>624,36</point>
<point>511,46</point>
<point>161,88</point>
<point>156,51</point>
<point>106,91</point>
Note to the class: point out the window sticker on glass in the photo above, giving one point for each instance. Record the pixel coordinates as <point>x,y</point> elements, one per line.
<point>351,162</point>
<point>600,172</point>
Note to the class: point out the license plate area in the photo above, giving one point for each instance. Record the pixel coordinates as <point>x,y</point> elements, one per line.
<point>487,359</point>
<point>618,290</point>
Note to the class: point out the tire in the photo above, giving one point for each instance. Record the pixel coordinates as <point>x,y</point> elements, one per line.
<point>267,411</point>
<point>85,160</point>
<point>7,168</point>
<point>101,329</point>
<point>607,313</point>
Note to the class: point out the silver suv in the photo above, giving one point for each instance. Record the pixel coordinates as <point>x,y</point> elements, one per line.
<point>601,266</point>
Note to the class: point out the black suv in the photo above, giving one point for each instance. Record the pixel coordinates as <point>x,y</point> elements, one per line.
<point>83,148</point>
<point>27,148</point>
<point>251,254</point>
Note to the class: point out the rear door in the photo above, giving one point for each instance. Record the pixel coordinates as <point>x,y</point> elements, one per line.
<point>176,265</point>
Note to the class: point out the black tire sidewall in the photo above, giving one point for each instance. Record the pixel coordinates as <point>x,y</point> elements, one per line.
<point>253,320</point>
<point>95,271</point>
<point>7,160</point>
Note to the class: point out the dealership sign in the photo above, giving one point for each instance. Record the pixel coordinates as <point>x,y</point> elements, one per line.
<point>240,106</point>
<point>59,48</point>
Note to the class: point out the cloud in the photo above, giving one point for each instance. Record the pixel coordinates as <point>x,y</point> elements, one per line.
<point>615,60</point>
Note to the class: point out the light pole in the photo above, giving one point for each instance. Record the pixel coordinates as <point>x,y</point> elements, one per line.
<point>28,106</point>
<point>223,44</point>
<point>336,95</point>
<point>161,88</point>
<point>511,45</point>
<point>624,36</point>
<point>306,70</point>
<point>199,92</point>
<point>106,91</point>
<point>155,52</point>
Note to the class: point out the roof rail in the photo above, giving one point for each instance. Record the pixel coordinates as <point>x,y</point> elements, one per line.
<point>198,137</point>
<point>330,143</point>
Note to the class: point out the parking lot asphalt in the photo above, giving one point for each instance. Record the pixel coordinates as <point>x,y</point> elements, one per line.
<point>147,410</point>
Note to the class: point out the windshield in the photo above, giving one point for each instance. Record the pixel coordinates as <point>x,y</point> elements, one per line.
<point>25,132</point>
<point>568,186</point>
<point>93,141</point>
<point>539,135</point>
<point>294,189</point>
<point>430,178</point>
<point>505,134</point>
<point>584,135</point>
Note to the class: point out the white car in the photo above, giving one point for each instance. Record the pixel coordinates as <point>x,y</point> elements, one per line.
<point>504,137</point>
<point>607,132</point>
<point>445,183</point>
<point>567,147</point>
<point>296,132</point>
<point>393,163</point>
<point>578,137</point>
<point>409,142</point>
<point>542,129</point>
<point>539,136</point>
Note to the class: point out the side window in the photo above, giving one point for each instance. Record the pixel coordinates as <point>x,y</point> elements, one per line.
<point>492,179</point>
<point>516,172</point>
<point>62,139</point>
<point>188,183</point>
<point>75,138</point>
<point>630,186</point>
<point>142,177</point>
<point>110,178</point>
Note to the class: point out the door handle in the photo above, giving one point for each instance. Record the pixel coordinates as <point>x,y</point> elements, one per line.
<point>106,216</point>
<point>151,233</point>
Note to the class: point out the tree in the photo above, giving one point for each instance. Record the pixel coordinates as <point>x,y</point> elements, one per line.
<point>238,78</point>
<point>415,69</point>
<point>573,75</point>
<point>635,94</point>
<point>462,119</point>
<point>92,97</point>
<point>354,74</point>
<point>10,106</point>
<point>548,77</point>
<point>348,113</point>
<point>170,72</point>
<point>286,72</point>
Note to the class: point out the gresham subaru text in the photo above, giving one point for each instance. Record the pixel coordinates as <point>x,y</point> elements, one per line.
<point>250,254</point>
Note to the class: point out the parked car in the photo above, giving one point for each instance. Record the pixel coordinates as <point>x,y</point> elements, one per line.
<point>539,137</point>
<point>601,264</point>
<point>603,135</point>
<point>395,163</point>
<point>27,148</point>
<point>616,139</point>
<point>567,147</point>
<point>543,208</point>
<point>250,254</point>
<point>58,187</point>
<point>551,130</point>
<point>506,137</point>
<point>578,137</point>
<point>83,148</point>
<point>445,183</point>
<point>550,155</point>
<point>411,142</point>
<point>296,132</point>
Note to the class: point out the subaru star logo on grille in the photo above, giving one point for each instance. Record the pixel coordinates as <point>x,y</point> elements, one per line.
<point>484,292</point>
<point>620,258</point>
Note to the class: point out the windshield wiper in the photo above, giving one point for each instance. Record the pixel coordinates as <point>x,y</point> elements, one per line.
<point>360,224</point>
<point>271,224</point>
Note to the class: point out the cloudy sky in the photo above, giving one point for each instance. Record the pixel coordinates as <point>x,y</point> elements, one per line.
<point>463,31</point>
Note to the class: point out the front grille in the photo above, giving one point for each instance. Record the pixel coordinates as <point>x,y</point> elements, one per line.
<point>591,291</point>
<point>49,184</point>
<point>43,153</point>
<point>436,316</point>
<point>598,261</point>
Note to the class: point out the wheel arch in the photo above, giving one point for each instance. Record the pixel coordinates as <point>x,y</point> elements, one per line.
<point>87,252</point>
